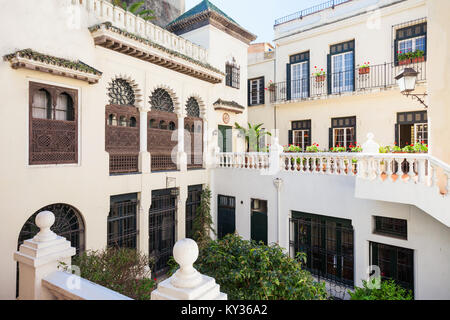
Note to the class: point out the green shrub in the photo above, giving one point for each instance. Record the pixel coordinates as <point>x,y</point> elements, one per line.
<point>389,290</point>
<point>246,270</point>
<point>122,270</point>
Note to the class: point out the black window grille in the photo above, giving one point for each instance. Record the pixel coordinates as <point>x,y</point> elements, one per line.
<point>161,101</point>
<point>122,222</point>
<point>192,203</point>
<point>192,108</point>
<point>233,75</point>
<point>391,227</point>
<point>162,228</point>
<point>120,92</point>
<point>395,263</point>
<point>328,244</point>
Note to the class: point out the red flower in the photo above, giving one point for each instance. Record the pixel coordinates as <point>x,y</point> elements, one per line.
<point>395,143</point>
<point>412,145</point>
<point>423,142</point>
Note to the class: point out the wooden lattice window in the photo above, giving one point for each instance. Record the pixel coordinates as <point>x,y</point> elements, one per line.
<point>193,108</point>
<point>53,124</point>
<point>121,93</point>
<point>161,101</point>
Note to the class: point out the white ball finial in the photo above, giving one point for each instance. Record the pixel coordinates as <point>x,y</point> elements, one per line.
<point>185,253</point>
<point>44,220</point>
<point>370,146</point>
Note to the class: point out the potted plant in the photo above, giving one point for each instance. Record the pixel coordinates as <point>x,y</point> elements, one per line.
<point>319,74</point>
<point>292,148</point>
<point>270,86</point>
<point>419,56</point>
<point>364,69</point>
<point>404,58</point>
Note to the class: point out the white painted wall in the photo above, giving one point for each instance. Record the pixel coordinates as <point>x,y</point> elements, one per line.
<point>334,196</point>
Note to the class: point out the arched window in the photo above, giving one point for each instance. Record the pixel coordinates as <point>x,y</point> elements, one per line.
<point>42,105</point>
<point>121,93</point>
<point>123,121</point>
<point>192,108</point>
<point>161,101</point>
<point>172,126</point>
<point>64,108</point>
<point>152,123</point>
<point>112,120</point>
<point>133,122</point>
<point>68,224</point>
<point>163,125</point>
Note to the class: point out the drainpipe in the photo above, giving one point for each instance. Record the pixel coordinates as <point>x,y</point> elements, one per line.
<point>278,184</point>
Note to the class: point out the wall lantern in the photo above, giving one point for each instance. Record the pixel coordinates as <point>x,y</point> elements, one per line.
<point>406,80</point>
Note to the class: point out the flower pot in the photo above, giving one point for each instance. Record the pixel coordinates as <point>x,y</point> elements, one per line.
<point>405,61</point>
<point>365,70</point>
<point>320,78</point>
<point>417,60</point>
<point>272,89</point>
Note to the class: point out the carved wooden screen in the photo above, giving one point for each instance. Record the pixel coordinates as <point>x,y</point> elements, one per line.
<point>161,127</point>
<point>53,125</point>
<point>193,142</point>
<point>122,138</point>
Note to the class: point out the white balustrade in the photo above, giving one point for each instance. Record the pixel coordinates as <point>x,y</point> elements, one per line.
<point>408,168</point>
<point>105,11</point>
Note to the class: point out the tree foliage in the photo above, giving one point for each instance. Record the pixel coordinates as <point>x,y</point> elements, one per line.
<point>389,290</point>
<point>135,8</point>
<point>122,270</point>
<point>202,226</point>
<point>252,135</point>
<point>246,270</point>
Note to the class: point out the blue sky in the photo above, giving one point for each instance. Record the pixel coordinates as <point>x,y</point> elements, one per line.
<point>258,16</point>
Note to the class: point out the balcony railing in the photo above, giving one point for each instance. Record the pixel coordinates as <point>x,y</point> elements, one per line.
<point>358,79</point>
<point>311,10</point>
<point>395,167</point>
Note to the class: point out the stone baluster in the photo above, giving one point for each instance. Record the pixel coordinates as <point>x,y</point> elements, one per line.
<point>187,283</point>
<point>411,173</point>
<point>328,165</point>
<point>389,166</point>
<point>421,168</point>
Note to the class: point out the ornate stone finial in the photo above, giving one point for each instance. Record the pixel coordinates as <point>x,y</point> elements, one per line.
<point>185,253</point>
<point>370,146</point>
<point>44,220</point>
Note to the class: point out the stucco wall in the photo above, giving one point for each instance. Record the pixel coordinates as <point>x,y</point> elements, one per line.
<point>87,186</point>
<point>334,196</point>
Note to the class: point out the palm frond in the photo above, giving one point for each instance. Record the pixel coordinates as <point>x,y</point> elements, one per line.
<point>133,8</point>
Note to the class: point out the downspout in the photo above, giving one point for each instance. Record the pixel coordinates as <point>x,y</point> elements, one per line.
<point>278,184</point>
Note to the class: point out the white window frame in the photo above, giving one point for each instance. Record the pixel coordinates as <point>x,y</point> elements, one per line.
<point>345,136</point>
<point>302,133</point>
<point>413,43</point>
<point>340,86</point>
<point>259,87</point>
<point>417,130</point>
<point>299,86</point>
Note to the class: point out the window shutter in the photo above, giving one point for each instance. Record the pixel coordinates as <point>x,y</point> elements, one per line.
<point>290,137</point>
<point>353,70</point>
<point>308,140</point>
<point>330,138</point>
<point>397,135</point>
<point>396,49</point>
<point>308,79</point>
<point>249,92</point>
<point>288,81</point>
<point>262,90</point>
<point>329,73</point>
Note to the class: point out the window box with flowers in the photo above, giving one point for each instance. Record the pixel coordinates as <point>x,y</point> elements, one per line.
<point>365,68</point>
<point>319,75</point>
<point>410,57</point>
<point>270,86</point>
